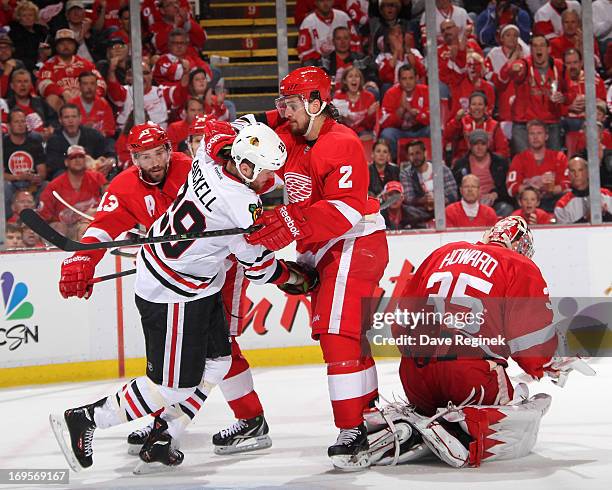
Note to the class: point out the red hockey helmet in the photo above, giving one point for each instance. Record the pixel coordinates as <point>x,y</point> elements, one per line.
<point>310,82</point>
<point>513,233</point>
<point>198,125</point>
<point>146,136</point>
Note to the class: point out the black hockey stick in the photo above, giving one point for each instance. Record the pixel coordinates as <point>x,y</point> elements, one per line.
<point>108,277</point>
<point>42,228</point>
<point>389,201</point>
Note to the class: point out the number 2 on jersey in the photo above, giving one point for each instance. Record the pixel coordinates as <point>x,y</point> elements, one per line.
<point>458,296</point>
<point>345,181</point>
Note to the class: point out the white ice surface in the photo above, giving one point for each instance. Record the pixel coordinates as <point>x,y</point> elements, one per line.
<point>574,448</point>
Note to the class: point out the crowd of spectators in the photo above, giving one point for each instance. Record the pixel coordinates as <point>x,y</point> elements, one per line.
<point>512,94</point>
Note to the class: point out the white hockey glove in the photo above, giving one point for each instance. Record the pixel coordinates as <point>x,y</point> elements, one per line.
<point>559,368</point>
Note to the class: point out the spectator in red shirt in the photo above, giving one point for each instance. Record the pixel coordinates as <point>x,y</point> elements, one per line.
<point>21,200</point>
<point>547,19</point>
<point>95,111</point>
<point>78,186</point>
<point>529,200</point>
<point>396,216</point>
<point>174,15</point>
<point>574,106</point>
<point>491,170</point>
<point>106,13</point>
<point>574,207</point>
<point>178,130</point>
<point>356,106</point>
<point>511,48</point>
<point>468,211</point>
<point>382,170</point>
<point>405,109</point>
<point>538,83</point>
<point>571,37</point>
<point>539,167</point>
<point>169,68</point>
<point>459,128</point>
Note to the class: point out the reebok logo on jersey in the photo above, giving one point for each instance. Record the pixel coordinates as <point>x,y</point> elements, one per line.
<point>295,231</point>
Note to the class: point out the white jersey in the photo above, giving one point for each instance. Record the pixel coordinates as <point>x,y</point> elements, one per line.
<point>547,20</point>
<point>211,199</point>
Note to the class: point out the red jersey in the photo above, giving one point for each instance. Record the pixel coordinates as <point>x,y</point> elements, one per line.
<point>605,140</point>
<point>358,118</point>
<point>55,76</point>
<point>329,180</point>
<point>111,14</point>
<point>177,133</point>
<point>542,217</point>
<point>461,91</point>
<point>559,45</point>
<point>99,117</point>
<point>457,218</point>
<point>388,72</point>
<point>87,196</point>
<point>504,291</point>
<point>457,133</point>
<point>533,91</point>
<point>575,88</point>
<point>418,99</point>
<point>168,69</point>
<point>149,10</point>
<point>130,201</point>
<point>524,167</point>
<point>161,31</point>
<point>450,68</point>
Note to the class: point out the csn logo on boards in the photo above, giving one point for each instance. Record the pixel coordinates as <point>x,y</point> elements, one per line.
<point>13,332</point>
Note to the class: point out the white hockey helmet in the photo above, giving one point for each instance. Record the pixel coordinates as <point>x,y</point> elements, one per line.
<point>512,232</point>
<point>261,146</point>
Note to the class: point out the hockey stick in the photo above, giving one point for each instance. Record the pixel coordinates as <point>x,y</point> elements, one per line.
<point>119,253</point>
<point>390,201</point>
<point>42,228</point>
<point>84,215</point>
<point>108,277</point>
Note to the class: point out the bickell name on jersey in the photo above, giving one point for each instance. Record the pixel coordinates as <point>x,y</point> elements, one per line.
<point>211,199</point>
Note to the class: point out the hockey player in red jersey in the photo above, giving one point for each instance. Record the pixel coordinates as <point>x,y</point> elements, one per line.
<point>338,231</point>
<point>454,370</point>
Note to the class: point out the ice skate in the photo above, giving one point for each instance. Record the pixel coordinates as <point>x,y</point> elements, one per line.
<point>158,453</point>
<point>242,436</point>
<point>137,439</point>
<point>350,452</point>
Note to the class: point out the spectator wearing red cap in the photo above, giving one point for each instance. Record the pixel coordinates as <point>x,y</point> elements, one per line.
<point>529,200</point>
<point>511,49</point>
<point>356,105</point>
<point>382,170</point>
<point>469,212</point>
<point>458,129</point>
<point>179,130</point>
<point>547,19</point>
<point>405,109</point>
<point>58,77</point>
<point>79,187</point>
<point>539,167</point>
<point>538,83</point>
<point>491,170</point>
<point>95,111</point>
<point>396,217</point>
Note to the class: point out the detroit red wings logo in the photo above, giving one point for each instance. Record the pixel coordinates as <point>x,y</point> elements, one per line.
<point>299,187</point>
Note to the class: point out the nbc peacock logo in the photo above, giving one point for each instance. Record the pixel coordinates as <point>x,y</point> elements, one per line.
<point>16,309</point>
<point>14,295</point>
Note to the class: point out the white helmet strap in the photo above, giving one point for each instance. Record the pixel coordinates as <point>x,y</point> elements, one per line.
<point>311,115</point>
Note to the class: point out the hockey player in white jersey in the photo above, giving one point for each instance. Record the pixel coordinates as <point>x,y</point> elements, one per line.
<point>177,294</point>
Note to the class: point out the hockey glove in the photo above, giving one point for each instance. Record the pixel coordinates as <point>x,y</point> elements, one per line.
<point>76,273</point>
<point>281,226</point>
<point>559,368</point>
<point>219,137</point>
<point>303,279</point>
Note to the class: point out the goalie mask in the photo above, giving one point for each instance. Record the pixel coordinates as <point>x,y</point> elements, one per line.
<point>512,232</point>
<point>260,146</point>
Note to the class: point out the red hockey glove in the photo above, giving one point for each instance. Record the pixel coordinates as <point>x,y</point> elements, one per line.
<point>302,278</point>
<point>219,136</point>
<point>281,226</point>
<point>76,273</point>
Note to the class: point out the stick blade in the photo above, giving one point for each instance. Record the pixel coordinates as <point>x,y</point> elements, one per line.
<point>43,230</point>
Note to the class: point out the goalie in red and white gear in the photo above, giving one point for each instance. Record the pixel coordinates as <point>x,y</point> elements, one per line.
<point>462,405</point>
<point>340,232</point>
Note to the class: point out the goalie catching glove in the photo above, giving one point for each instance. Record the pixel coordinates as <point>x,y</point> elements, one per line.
<point>281,226</point>
<point>298,279</point>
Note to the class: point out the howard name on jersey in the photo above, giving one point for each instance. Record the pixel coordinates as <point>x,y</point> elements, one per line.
<point>211,199</point>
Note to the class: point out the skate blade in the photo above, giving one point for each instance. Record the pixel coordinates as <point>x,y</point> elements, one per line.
<point>60,431</point>
<point>251,444</point>
<point>348,462</point>
<point>143,468</point>
<point>134,449</point>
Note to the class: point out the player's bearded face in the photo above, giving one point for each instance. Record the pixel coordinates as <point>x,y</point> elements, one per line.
<point>153,163</point>
<point>292,108</point>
